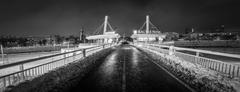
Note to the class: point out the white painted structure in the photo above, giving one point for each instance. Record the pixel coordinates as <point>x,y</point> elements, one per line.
<point>107,36</point>
<point>147,24</point>
<point>151,34</point>
<point>2,53</point>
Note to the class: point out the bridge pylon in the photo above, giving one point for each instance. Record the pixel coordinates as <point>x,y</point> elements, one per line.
<point>104,33</point>
<point>148,32</point>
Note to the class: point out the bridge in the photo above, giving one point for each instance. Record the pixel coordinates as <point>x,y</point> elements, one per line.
<point>144,66</point>
<point>108,35</point>
<point>150,34</point>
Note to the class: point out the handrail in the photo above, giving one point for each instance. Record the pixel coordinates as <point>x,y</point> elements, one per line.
<point>40,65</point>
<point>231,69</point>
<point>43,64</point>
<point>39,58</point>
<point>36,70</point>
<point>30,68</point>
<point>203,51</point>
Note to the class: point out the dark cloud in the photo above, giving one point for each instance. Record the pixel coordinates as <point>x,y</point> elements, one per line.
<point>65,17</point>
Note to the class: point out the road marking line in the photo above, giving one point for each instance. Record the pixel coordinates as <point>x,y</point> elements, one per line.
<point>181,82</point>
<point>124,76</point>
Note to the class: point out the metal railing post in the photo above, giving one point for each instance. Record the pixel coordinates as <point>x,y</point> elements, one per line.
<point>4,82</point>
<point>1,47</point>
<point>84,52</point>
<point>75,55</point>
<point>238,71</point>
<point>21,68</point>
<point>103,46</point>
<point>64,60</point>
<point>171,50</point>
<point>196,57</point>
<point>233,71</point>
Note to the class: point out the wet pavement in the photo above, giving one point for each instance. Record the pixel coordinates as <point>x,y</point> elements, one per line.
<point>128,70</point>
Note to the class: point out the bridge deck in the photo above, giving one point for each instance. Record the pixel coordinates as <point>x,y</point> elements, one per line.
<point>128,70</point>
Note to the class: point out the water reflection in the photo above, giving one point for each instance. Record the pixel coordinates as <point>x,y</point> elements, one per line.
<point>135,52</point>
<point>108,68</point>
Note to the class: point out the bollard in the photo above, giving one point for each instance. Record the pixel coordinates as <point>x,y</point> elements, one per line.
<point>84,52</point>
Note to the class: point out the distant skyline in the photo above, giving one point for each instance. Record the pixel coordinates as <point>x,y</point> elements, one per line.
<point>66,17</point>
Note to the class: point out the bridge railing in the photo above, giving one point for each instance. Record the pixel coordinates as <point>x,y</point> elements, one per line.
<point>231,69</point>
<point>29,69</point>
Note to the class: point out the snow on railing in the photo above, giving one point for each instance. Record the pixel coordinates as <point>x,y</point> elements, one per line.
<point>232,69</point>
<point>27,69</point>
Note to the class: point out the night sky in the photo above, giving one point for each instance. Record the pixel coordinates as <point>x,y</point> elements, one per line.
<point>66,17</point>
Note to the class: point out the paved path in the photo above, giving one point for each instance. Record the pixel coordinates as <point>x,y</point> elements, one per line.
<point>128,70</point>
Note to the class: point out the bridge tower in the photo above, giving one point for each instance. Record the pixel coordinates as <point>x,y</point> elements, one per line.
<point>105,24</point>
<point>104,33</point>
<point>148,32</point>
<point>147,24</point>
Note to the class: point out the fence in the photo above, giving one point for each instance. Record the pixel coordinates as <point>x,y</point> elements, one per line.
<point>12,50</point>
<point>26,70</point>
<point>231,69</point>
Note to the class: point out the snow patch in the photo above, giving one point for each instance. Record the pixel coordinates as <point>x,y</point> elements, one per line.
<point>203,75</point>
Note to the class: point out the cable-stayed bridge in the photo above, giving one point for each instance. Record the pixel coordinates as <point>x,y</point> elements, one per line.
<point>127,67</point>
<point>104,33</point>
<point>148,32</point>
